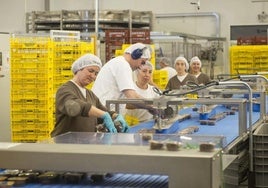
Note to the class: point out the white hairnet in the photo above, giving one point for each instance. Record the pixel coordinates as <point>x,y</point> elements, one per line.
<point>165,60</point>
<point>148,64</point>
<point>146,54</point>
<point>85,61</point>
<point>180,58</point>
<point>196,59</point>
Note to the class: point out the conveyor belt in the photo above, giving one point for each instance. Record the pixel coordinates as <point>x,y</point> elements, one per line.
<point>137,180</point>
<point>227,127</point>
<point>116,181</point>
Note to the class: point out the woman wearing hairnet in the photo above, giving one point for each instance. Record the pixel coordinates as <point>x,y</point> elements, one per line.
<point>195,69</point>
<point>78,108</point>
<point>143,87</point>
<point>165,63</point>
<point>182,77</point>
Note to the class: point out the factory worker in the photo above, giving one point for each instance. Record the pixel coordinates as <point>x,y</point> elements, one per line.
<point>142,86</point>
<point>165,64</point>
<point>195,69</point>
<point>78,108</point>
<point>181,65</point>
<point>115,79</point>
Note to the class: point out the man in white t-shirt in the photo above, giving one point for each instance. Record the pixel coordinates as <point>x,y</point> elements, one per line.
<point>115,79</point>
<point>165,64</point>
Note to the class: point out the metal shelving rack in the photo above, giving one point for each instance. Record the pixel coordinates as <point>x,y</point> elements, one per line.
<point>84,20</point>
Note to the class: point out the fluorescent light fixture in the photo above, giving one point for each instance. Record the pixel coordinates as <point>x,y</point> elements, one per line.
<point>258,1</point>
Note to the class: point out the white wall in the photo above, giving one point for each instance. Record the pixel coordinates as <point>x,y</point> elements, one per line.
<point>12,13</point>
<point>72,5</point>
<point>5,134</point>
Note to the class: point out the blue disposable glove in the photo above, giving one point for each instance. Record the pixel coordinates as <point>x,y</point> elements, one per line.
<point>124,124</point>
<point>108,122</point>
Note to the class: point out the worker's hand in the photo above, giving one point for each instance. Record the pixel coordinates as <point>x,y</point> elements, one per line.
<point>125,127</point>
<point>153,111</point>
<point>108,122</point>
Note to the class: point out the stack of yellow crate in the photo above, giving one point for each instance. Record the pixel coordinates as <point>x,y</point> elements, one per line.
<point>160,77</point>
<point>248,59</point>
<point>38,67</point>
<point>31,89</point>
<point>64,53</point>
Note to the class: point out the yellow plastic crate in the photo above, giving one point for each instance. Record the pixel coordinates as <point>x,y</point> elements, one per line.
<point>29,136</point>
<point>119,52</point>
<point>131,120</point>
<point>161,86</point>
<point>32,117</point>
<point>31,128</point>
<point>90,85</point>
<point>160,73</point>
<point>160,78</point>
<point>31,104</point>
<point>248,59</point>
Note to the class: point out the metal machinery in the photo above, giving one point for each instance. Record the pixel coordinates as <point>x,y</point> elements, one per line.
<point>114,153</point>
<point>211,50</point>
<point>239,142</point>
<point>131,153</point>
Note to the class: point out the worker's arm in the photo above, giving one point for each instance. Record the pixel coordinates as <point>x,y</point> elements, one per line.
<point>95,112</point>
<point>132,94</point>
<point>73,108</point>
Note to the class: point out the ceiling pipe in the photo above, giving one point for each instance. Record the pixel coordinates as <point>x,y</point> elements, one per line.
<point>199,14</point>
<point>47,5</point>
<point>97,52</point>
<point>97,17</point>
<point>259,1</point>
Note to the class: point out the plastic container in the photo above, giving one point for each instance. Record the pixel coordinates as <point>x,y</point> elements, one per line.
<point>256,107</point>
<point>260,150</point>
<point>203,116</point>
